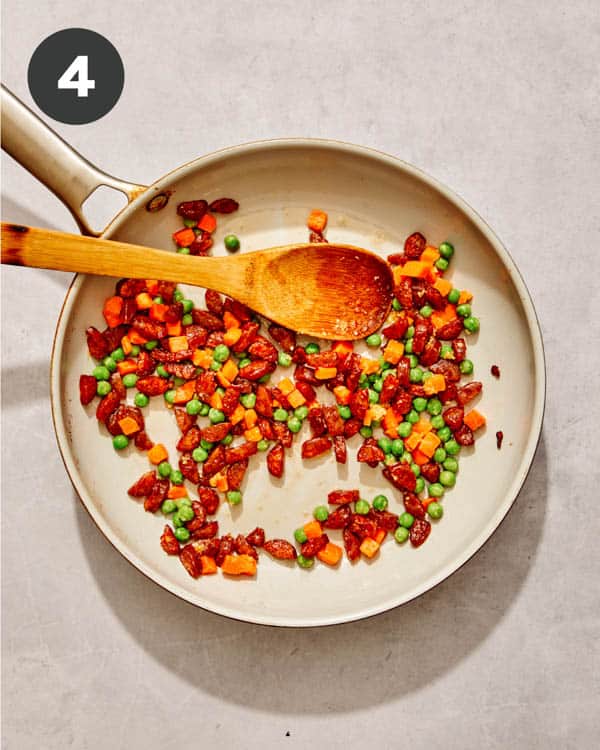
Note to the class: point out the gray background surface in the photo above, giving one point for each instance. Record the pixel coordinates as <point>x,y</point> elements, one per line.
<point>500,101</point>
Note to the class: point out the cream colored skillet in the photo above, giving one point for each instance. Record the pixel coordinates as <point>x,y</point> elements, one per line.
<point>373,201</point>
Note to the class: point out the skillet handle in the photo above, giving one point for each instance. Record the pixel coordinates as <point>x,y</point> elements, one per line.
<point>53,162</point>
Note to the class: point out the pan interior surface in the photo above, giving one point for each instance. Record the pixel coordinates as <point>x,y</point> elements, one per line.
<point>373,201</point>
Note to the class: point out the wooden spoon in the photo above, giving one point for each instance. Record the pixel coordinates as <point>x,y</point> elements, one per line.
<point>322,289</point>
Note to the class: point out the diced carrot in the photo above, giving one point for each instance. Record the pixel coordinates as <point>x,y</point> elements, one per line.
<point>342,394</point>
<point>158,312</point>
<point>128,425</point>
<point>222,484</point>
<point>185,392</point>
<point>230,370</point>
<point>343,347</point>
<point>331,554</point>
<point>434,384</point>
<point>253,435</point>
<point>427,501</point>
<point>296,399</point>
<point>422,426</point>
<point>380,535</point>
<point>208,566</point>
<point>413,440</point>
<point>144,301</point>
<point>231,336</point>
<point>474,419</point>
<point>443,286</point>
<point>222,379</point>
<point>202,358</point>
<point>126,366</point>
<point>184,237</point>
<point>465,296</point>
<point>441,317</point>
<point>238,565</point>
<point>430,254</point>
<point>419,457</point>
<point>429,444</point>
<point>157,454</point>
<point>230,320</point>
<point>393,352</point>
<point>216,401</point>
<point>414,268</point>
<point>136,338</point>
<point>176,491</point>
<point>126,345</point>
<point>178,343</point>
<point>174,329</point>
<point>250,418</point>
<point>286,386</point>
<point>208,223</point>
<point>152,287</point>
<point>317,220</point>
<point>369,366</point>
<point>325,373</point>
<point>390,423</point>
<point>237,415</point>
<point>312,529</point>
<point>369,547</point>
<point>112,311</point>
<point>217,479</point>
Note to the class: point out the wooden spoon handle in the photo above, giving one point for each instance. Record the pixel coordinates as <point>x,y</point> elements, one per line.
<point>43,248</point>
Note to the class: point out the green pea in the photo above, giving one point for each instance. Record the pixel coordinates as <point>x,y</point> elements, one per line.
<point>188,305</point>
<point>204,410</point>
<point>447,478</point>
<point>206,444</point>
<point>118,355</point>
<point>216,416</point>
<point>344,411</point>
<point>221,353</point>
<point>231,243</point>
<point>446,250</point>
<point>426,311</point>
<point>413,360</point>
<point>453,296</point>
<point>408,346</point>
<point>178,295</point>
<point>170,396</point>
<point>300,535</point>
<point>141,400</point>
<point>445,433</point>
<point>182,534</point>
<point>451,464</point>
<point>199,455</point>
<point>186,513</point>
<point>176,521</point>
<point>227,440</point>
<point>419,485</point>
<point>446,352</point>
<point>427,375</point>
<point>187,320</point>
<point>436,490</point>
<point>264,379</point>
<point>437,421</point>
<point>160,371</point>
<point>178,381</point>
<point>244,362</point>
<point>150,345</point>
<point>103,387</point>
<point>284,359</point>
<point>301,412</point>
<point>189,223</point>
<point>416,470</point>
<point>410,332</point>
<point>373,396</point>
<point>380,502</point>
<point>181,501</point>
<point>373,340</point>
<point>305,562</point>
<point>441,263</point>
<point>248,400</point>
<point>452,447</point>
<point>321,513</point>
<point>135,350</point>
<point>234,497</point>
<point>385,444</point>
<point>158,300</point>
<point>401,534</point>
<point>120,442</point>
<point>366,432</point>
<point>406,458</point>
<point>361,507</point>
<point>193,407</point>
<point>466,367</point>
<point>471,324</point>
<point>434,406</point>
<point>412,417</point>
<point>110,364</point>
<point>406,520</point>
<point>416,375</point>
<point>312,348</point>
<point>280,415</point>
<point>373,377</point>
<point>404,430</point>
<point>294,424</point>
<point>176,477</point>
<point>463,310</point>
<point>435,511</point>
<point>378,385</point>
<point>262,445</point>
<point>363,380</point>
<point>100,372</point>
<point>165,469</point>
<point>220,390</point>
<point>439,455</point>
<point>396,304</point>
<point>215,366</point>
<point>419,403</point>
<point>168,506</point>
<point>397,447</point>
<point>130,379</point>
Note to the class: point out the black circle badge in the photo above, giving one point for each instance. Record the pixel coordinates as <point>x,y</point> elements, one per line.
<point>76,76</point>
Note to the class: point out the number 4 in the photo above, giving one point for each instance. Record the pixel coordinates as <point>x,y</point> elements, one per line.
<point>76,77</point>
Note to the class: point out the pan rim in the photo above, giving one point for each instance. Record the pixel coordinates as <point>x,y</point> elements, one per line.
<point>527,458</point>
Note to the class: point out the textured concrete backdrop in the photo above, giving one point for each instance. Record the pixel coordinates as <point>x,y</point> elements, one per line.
<point>500,100</point>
